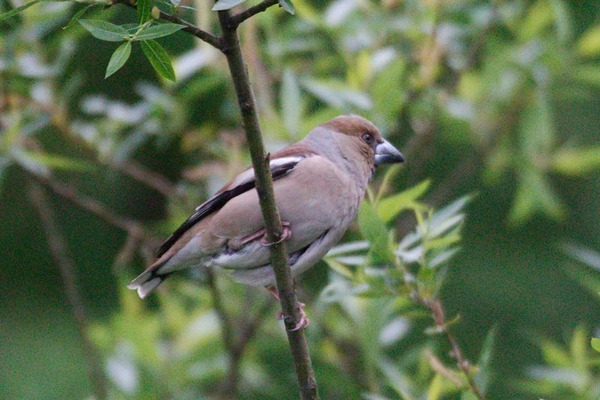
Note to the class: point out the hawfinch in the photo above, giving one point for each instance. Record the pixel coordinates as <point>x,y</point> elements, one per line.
<point>318,182</point>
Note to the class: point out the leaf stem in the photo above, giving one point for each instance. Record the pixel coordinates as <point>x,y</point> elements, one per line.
<point>205,36</point>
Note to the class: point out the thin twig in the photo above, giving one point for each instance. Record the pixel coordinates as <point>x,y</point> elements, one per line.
<point>127,253</point>
<point>439,317</point>
<point>264,186</point>
<point>227,331</point>
<point>205,36</point>
<point>60,252</point>
<point>250,326</point>
<point>235,344</point>
<point>92,205</point>
<point>237,19</point>
<point>145,176</point>
<point>248,329</point>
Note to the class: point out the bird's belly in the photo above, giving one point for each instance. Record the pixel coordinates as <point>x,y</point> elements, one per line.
<point>256,253</point>
<point>251,255</point>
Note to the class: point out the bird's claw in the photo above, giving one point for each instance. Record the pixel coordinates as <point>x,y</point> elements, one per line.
<point>285,235</point>
<point>302,322</point>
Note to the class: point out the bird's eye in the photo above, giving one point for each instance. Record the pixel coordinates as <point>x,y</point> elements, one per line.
<point>367,137</point>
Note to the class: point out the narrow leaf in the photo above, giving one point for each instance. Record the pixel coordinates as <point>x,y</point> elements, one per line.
<point>483,377</point>
<point>291,102</point>
<point>583,254</point>
<point>158,31</point>
<point>54,161</point>
<point>396,379</point>
<point>118,59</point>
<point>222,5</point>
<point>587,278</point>
<point>159,59</point>
<point>596,344</point>
<point>337,94</point>
<point>534,194</point>
<point>589,43</point>
<point>144,7</point>
<point>588,74</point>
<point>539,17</point>
<point>104,30</point>
<point>391,206</point>
<point>75,18</point>
<point>375,231</point>
<point>17,10</point>
<point>346,248</point>
<point>288,6</point>
<point>576,162</point>
<point>536,127</point>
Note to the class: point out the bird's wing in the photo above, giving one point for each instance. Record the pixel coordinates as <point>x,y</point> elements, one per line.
<point>315,197</point>
<point>279,166</point>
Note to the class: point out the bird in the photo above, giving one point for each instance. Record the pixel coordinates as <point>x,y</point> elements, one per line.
<point>318,185</point>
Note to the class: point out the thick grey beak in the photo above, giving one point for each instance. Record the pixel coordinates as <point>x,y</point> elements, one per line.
<point>385,153</point>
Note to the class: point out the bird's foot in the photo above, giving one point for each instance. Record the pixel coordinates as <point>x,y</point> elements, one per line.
<point>303,321</point>
<point>285,235</point>
<point>262,235</point>
<point>273,290</point>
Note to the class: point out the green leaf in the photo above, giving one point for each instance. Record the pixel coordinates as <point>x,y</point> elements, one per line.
<point>337,94</point>
<point>596,344</point>
<point>391,206</point>
<point>534,193</point>
<point>339,267</point>
<point>589,43</point>
<point>352,247</point>
<point>144,8</point>
<point>375,231</point>
<point>588,74</point>
<point>536,128</point>
<point>578,347</point>
<point>448,217</point>
<point>483,377</point>
<point>158,31</point>
<point>104,30</point>
<point>563,21</point>
<point>159,59</point>
<point>468,396</point>
<point>287,6</point>
<point>17,10</point>
<point>576,162</point>
<point>436,388</point>
<point>385,88</point>
<point>396,378</point>
<point>222,5</point>
<point>587,278</point>
<point>539,18</point>
<point>75,18</point>
<point>54,161</point>
<point>583,254</point>
<point>291,102</point>
<point>118,59</point>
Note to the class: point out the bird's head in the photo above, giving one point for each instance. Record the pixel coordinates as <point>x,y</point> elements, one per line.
<point>361,136</point>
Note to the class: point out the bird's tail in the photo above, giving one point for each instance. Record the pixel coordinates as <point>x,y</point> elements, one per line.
<point>147,281</point>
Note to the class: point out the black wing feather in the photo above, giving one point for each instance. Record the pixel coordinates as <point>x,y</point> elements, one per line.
<point>217,202</point>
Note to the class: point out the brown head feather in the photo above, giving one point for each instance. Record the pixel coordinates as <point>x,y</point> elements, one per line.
<point>353,125</point>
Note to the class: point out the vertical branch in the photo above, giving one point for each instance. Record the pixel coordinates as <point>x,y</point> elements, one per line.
<point>60,253</point>
<point>264,186</point>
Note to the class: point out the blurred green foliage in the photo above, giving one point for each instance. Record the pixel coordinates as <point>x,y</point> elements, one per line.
<point>495,105</point>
